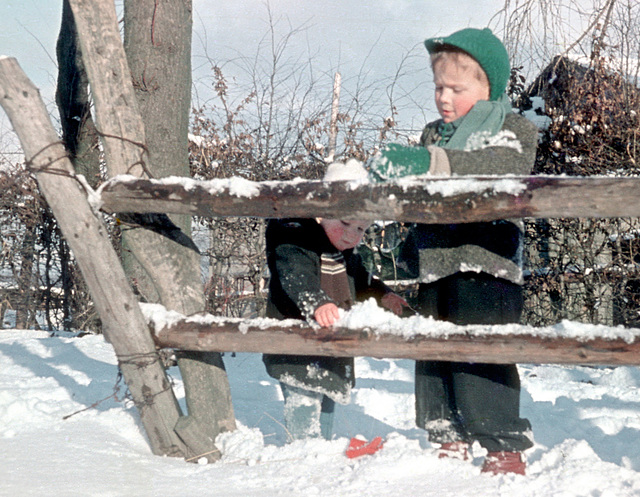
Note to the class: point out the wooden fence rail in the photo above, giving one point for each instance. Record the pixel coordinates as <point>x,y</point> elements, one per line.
<point>445,342</point>
<point>451,200</point>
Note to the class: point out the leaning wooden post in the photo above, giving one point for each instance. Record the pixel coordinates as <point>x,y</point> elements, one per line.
<point>123,323</point>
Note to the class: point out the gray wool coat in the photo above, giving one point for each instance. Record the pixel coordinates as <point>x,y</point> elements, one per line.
<point>436,251</point>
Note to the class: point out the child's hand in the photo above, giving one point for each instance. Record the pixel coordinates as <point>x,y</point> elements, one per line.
<point>394,302</point>
<point>326,314</point>
<point>396,161</point>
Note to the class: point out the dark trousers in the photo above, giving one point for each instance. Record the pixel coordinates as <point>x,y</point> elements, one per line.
<point>460,401</point>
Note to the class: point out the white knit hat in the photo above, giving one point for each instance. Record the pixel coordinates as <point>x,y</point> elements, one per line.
<point>352,170</point>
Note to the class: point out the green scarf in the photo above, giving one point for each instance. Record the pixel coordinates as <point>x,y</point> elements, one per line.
<point>485,118</point>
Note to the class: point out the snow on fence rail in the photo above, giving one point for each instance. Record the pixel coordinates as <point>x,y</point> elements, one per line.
<point>367,330</point>
<point>437,200</point>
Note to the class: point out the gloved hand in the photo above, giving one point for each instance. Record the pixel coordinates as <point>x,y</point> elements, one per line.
<point>396,161</point>
<point>394,302</point>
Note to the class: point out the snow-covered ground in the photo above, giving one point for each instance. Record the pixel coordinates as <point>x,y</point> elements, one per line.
<point>65,430</point>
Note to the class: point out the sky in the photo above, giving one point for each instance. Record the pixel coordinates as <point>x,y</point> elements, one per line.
<point>344,31</point>
<point>344,35</point>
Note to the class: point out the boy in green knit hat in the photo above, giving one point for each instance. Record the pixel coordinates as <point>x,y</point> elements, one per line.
<point>469,273</point>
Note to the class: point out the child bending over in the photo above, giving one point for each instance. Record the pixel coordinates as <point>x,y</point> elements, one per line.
<point>315,271</point>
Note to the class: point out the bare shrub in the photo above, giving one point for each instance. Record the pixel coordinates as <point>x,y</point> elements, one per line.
<point>39,280</point>
<point>278,129</point>
<point>585,269</point>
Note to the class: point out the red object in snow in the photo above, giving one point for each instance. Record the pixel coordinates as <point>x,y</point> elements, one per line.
<point>455,450</point>
<point>500,463</point>
<point>359,447</point>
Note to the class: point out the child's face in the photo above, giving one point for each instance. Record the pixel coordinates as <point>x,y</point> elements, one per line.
<point>458,88</point>
<point>344,235</point>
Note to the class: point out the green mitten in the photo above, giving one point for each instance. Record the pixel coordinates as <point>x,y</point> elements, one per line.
<point>396,161</point>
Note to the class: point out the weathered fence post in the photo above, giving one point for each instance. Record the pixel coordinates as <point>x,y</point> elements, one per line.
<point>123,322</point>
<point>333,124</point>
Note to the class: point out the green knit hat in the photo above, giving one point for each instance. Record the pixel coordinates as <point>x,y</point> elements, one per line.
<point>488,51</point>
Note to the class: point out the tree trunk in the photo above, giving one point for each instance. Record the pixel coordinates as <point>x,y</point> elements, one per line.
<point>79,135</point>
<point>72,97</point>
<point>157,41</point>
<point>27,282</point>
<point>173,268</point>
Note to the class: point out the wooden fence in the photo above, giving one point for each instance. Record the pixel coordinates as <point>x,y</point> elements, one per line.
<point>433,201</point>
<point>75,206</point>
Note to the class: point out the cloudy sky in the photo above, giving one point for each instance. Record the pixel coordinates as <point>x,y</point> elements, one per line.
<point>340,35</point>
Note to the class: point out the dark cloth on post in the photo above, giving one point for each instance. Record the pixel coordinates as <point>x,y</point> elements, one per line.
<point>307,271</point>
